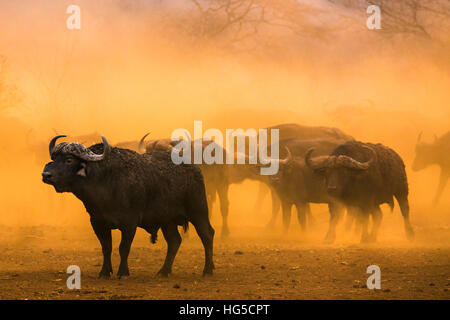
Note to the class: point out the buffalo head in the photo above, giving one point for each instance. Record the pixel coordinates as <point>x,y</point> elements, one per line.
<point>338,170</point>
<point>69,163</point>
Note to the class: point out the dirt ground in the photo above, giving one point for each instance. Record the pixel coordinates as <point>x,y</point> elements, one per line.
<point>252,264</point>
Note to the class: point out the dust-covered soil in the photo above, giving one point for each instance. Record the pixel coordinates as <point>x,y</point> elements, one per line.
<point>252,264</point>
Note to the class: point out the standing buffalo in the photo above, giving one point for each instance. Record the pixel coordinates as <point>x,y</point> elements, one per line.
<point>363,176</point>
<point>123,190</point>
<point>297,148</point>
<point>218,177</point>
<point>297,132</point>
<point>437,153</point>
<point>296,184</point>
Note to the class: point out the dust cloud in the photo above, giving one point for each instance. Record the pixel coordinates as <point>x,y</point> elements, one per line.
<point>135,68</point>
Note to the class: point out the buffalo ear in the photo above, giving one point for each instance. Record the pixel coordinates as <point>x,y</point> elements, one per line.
<point>82,171</point>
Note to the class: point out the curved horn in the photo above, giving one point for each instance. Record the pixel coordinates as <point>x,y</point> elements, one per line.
<point>318,163</point>
<point>288,157</point>
<point>52,143</point>
<point>351,163</point>
<point>141,142</point>
<point>89,156</point>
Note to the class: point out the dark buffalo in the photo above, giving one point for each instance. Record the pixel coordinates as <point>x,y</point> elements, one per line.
<point>363,176</point>
<point>436,153</point>
<point>297,148</point>
<point>297,132</point>
<point>297,185</point>
<point>123,190</point>
<point>218,178</point>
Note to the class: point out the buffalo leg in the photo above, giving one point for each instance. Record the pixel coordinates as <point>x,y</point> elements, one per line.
<point>311,221</point>
<point>211,198</point>
<point>224,204</point>
<point>302,209</point>
<point>104,236</point>
<point>363,217</point>
<point>404,207</point>
<point>286,207</point>
<point>173,240</point>
<point>336,211</point>
<point>124,250</point>
<point>262,191</point>
<point>443,179</point>
<point>377,216</point>
<point>206,234</point>
<point>275,208</point>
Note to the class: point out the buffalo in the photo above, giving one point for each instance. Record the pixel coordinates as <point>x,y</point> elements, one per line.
<point>296,184</point>
<point>297,148</point>
<point>218,178</point>
<point>290,132</point>
<point>437,153</point>
<point>123,190</point>
<point>363,176</point>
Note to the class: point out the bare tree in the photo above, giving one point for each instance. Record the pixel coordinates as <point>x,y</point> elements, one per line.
<point>236,21</point>
<point>426,19</point>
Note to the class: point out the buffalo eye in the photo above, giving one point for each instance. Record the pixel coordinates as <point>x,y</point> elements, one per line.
<point>69,161</point>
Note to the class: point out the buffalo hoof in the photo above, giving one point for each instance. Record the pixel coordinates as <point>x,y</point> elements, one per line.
<point>123,275</point>
<point>163,273</point>
<point>104,275</point>
<point>208,272</point>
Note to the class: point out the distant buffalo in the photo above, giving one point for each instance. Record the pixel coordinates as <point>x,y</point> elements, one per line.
<point>123,190</point>
<point>363,176</point>
<point>436,153</point>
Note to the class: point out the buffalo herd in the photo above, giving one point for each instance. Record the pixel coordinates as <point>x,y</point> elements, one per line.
<point>136,184</point>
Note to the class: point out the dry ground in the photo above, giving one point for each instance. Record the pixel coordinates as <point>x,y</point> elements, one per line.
<point>252,264</point>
